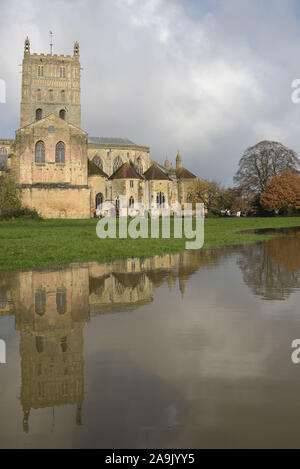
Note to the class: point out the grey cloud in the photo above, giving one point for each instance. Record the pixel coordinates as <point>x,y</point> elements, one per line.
<point>208,78</point>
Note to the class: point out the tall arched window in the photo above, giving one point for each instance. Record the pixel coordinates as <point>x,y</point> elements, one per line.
<point>38,114</point>
<point>38,95</point>
<point>40,303</point>
<point>63,96</point>
<point>99,200</point>
<point>61,302</point>
<point>62,114</point>
<point>51,95</point>
<point>98,162</point>
<point>117,203</point>
<point>160,200</point>
<point>60,153</point>
<point>40,152</point>
<point>117,163</point>
<point>131,202</point>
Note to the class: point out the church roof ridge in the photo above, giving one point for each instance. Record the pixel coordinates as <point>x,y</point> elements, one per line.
<point>154,172</point>
<point>183,173</point>
<point>126,171</point>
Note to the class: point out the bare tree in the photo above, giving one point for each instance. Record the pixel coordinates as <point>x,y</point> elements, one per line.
<point>260,163</point>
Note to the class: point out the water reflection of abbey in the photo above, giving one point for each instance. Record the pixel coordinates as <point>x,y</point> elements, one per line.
<point>52,307</point>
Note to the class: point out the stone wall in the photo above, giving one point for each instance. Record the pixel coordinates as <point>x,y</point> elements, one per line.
<point>51,131</point>
<point>156,186</point>
<point>57,202</point>
<point>96,185</point>
<point>117,187</point>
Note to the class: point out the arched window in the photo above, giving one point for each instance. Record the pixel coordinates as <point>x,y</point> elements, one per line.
<point>38,95</point>
<point>38,114</point>
<point>99,200</point>
<point>160,200</point>
<point>40,303</point>
<point>40,152</point>
<point>63,96</point>
<point>117,163</point>
<point>51,95</point>
<point>62,114</point>
<point>40,71</point>
<point>3,297</point>
<point>61,302</point>
<point>60,153</point>
<point>62,72</point>
<point>117,203</point>
<point>98,162</point>
<point>131,202</point>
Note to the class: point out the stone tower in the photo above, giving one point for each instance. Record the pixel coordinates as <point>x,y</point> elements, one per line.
<point>50,84</point>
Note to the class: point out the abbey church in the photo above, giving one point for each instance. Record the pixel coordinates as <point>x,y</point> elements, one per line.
<point>60,170</point>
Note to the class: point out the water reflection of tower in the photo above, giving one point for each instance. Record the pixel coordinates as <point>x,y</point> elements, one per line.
<point>52,311</point>
<point>52,307</point>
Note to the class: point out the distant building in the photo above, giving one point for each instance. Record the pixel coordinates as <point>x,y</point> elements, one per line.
<point>63,172</point>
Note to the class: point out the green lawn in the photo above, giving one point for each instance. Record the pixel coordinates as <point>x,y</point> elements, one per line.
<point>31,244</point>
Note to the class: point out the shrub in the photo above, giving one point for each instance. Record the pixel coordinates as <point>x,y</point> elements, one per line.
<point>20,213</point>
<point>10,203</point>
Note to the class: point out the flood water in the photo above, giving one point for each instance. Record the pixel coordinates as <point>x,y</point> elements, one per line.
<point>190,350</point>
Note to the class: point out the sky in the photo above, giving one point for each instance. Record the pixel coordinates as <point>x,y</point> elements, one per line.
<point>207,78</point>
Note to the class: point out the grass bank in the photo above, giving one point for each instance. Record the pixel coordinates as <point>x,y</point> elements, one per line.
<point>33,243</point>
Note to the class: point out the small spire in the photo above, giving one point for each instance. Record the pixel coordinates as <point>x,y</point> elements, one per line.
<point>182,282</point>
<point>26,420</point>
<point>178,160</point>
<point>27,46</point>
<point>76,49</point>
<point>78,415</point>
<point>51,42</point>
<point>167,163</point>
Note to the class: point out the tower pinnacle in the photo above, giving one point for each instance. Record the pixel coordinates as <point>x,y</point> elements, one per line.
<point>178,161</point>
<point>27,47</point>
<point>76,49</point>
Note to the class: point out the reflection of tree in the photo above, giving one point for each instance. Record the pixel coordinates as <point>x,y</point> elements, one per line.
<point>272,269</point>
<point>286,252</point>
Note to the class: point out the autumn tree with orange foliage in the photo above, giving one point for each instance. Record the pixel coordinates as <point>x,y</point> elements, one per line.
<point>283,194</point>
